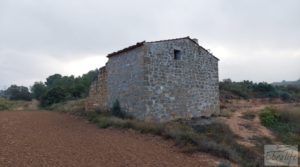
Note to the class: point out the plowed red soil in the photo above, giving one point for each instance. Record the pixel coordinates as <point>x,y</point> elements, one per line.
<point>42,139</point>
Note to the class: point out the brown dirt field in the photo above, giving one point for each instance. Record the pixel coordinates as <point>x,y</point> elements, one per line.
<point>55,139</point>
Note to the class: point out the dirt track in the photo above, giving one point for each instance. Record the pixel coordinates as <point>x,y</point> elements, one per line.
<point>55,139</point>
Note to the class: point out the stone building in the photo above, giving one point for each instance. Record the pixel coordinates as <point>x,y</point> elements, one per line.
<point>160,81</point>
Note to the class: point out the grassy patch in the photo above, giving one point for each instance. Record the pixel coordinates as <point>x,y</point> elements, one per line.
<point>269,117</point>
<point>6,104</point>
<point>284,121</point>
<point>75,107</point>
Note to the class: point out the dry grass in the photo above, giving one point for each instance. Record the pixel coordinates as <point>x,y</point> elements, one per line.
<point>6,105</point>
<point>248,115</point>
<point>75,107</point>
<point>290,114</point>
<point>284,121</point>
<point>226,112</point>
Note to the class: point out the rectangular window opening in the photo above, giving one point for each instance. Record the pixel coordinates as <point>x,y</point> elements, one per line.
<point>177,54</point>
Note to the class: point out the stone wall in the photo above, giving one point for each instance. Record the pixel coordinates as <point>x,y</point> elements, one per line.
<point>97,98</point>
<point>125,81</point>
<point>182,88</point>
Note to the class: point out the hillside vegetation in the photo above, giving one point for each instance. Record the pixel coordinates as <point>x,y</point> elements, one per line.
<point>284,121</point>
<point>56,89</point>
<point>249,90</point>
<point>287,83</point>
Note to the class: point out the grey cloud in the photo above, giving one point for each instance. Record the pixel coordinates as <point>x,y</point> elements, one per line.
<point>20,68</point>
<point>46,34</point>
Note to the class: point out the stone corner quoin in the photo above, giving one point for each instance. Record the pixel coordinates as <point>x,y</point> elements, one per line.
<point>159,81</point>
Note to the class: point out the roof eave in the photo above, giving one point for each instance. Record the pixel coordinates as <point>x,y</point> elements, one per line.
<point>139,44</point>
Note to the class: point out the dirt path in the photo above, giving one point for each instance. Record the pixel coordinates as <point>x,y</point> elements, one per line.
<point>55,139</point>
<point>247,129</point>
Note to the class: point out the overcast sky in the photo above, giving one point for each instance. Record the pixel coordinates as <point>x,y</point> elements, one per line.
<point>255,40</point>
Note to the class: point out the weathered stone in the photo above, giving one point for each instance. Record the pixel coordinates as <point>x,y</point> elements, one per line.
<point>97,99</point>
<point>152,83</point>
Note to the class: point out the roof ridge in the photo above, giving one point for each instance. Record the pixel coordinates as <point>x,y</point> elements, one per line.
<point>187,37</point>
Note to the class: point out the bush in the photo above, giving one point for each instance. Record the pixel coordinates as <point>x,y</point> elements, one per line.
<point>15,92</point>
<point>3,107</point>
<point>268,117</point>
<point>38,90</point>
<point>54,95</point>
<point>285,96</point>
<point>284,122</point>
<point>116,110</point>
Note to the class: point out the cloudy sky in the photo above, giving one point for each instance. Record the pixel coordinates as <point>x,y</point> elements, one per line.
<point>255,40</point>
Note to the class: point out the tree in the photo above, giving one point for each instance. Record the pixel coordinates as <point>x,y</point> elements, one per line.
<point>2,93</point>
<point>15,92</point>
<point>58,88</point>
<point>38,90</point>
<point>53,80</point>
<point>54,95</point>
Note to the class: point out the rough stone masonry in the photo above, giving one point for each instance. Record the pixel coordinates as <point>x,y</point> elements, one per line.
<point>159,81</point>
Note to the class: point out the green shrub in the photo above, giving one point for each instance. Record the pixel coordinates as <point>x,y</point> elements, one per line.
<point>284,122</point>
<point>116,110</point>
<point>15,92</point>
<point>92,117</point>
<point>285,96</point>
<point>52,96</point>
<point>268,117</point>
<point>3,107</point>
<point>104,122</point>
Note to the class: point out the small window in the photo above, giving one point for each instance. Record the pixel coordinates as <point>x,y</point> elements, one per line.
<point>177,54</point>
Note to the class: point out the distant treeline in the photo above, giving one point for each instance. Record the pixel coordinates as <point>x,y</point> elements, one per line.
<point>58,88</point>
<point>287,83</point>
<point>248,89</point>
